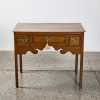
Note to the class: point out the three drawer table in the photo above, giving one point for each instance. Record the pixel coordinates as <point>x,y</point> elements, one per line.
<point>63,36</point>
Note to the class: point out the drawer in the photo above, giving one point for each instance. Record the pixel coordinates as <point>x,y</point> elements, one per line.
<point>53,38</point>
<point>74,40</point>
<point>23,40</point>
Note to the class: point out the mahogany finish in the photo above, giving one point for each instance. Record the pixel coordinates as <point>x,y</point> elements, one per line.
<point>66,36</point>
<point>20,58</point>
<point>49,27</point>
<point>76,63</point>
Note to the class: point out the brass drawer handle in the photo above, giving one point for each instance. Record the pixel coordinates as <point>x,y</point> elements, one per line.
<point>48,38</point>
<point>74,40</point>
<point>23,41</point>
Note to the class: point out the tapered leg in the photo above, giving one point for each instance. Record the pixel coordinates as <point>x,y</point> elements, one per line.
<point>76,63</point>
<point>20,59</point>
<point>16,70</point>
<point>81,69</point>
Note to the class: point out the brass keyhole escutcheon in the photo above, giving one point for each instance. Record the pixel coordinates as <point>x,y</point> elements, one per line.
<point>23,41</point>
<point>76,40</point>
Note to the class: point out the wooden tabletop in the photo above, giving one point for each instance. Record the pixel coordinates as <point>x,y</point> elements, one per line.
<point>48,27</point>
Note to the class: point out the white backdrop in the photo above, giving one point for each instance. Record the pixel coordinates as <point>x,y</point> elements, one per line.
<point>86,12</point>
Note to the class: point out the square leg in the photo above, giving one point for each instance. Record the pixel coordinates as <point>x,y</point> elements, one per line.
<point>16,70</point>
<point>76,63</point>
<point>20,60</point>
<point>81,69</point>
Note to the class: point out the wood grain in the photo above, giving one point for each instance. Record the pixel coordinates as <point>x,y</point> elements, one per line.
<point>49,27</point>
<point>56,39</point>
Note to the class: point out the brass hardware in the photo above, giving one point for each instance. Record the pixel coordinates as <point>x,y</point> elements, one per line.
<point>74,40</point>
<point>23,41</point>
<point>48,38</point>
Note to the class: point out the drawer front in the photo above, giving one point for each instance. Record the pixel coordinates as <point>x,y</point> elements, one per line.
<point>52,38</point>
<point>74,40</point>
<point>23,40</point>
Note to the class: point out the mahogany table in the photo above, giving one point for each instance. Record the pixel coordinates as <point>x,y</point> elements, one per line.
<point>64,36</point>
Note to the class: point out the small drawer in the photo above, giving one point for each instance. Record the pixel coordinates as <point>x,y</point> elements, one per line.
<point>23,40</point>
<point>74,40</point>
<point>52,38</point>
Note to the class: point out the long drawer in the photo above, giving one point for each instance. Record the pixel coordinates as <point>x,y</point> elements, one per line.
<point>50,38</point>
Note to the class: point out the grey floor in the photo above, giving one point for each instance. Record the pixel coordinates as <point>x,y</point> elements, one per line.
<point>49,76</point>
